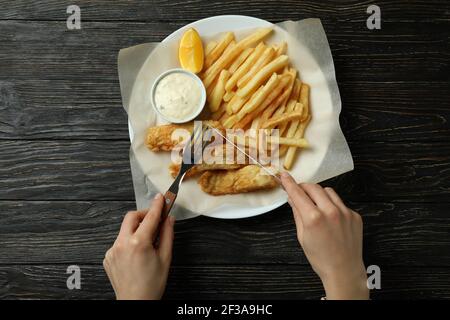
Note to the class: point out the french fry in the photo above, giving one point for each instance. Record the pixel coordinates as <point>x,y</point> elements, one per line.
<point>304,103</point>
<point>236,103</point>
<point>226,59</point>
<point>295,94</point>
<point>224,117</point>
<point>244,67</point>
<point>291,129</point>
<point>294,124</point>
<point>210,89</point>
<point>228,96</point>
<point>286,110</point>
<point>229,123</point>
<point>282,118</point>
<point>240,59</point>
<point>293,74</point>
<point>290,107</point>
<point>209,47</point>
<point>263,74</point>
<point>282,150</point>
<point>230,46</point>
<point>255,37</point>
<point>263,60</point>
<point>218,49</point>
<point>284,80</point>
<point>219,90</point>
<point>267,113</point>
<point>290,155</point>
<point>255,123</point>
<point>292,142</point>
<point>304,99</point>
<point>229,109</point>
<point>281,49</point>
<point>257,99</point>
<point>269,99</point>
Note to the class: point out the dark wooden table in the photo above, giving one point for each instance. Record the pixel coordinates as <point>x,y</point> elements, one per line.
<point>65,181</point>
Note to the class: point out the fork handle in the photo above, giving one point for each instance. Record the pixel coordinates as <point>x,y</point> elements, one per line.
<point>169,200</point>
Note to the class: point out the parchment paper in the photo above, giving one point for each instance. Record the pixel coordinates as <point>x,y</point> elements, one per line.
<point>309,53</point>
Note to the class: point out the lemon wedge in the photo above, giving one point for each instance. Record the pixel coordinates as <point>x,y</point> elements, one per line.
<point>190,52</point>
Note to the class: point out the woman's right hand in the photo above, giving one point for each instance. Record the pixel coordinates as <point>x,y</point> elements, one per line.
<point>331,237</point>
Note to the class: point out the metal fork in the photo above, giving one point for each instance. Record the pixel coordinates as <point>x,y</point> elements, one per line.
<point>192,153</point>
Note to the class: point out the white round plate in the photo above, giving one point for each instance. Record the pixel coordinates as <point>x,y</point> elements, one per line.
<point>215,25</point>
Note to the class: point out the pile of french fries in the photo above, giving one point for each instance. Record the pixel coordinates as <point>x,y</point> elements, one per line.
<point>251,84</point>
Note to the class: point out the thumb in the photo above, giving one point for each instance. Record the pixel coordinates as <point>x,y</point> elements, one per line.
<point>166,240</point>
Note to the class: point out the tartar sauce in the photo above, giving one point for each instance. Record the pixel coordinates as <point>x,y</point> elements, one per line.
<point>177,95</point>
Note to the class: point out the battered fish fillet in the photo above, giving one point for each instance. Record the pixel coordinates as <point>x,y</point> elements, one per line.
<point>199,168</point>
<point>159,138</point>
<point>213,159</point>
<point>247,179</point>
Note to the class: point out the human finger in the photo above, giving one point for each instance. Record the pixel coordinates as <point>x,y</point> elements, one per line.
<point>131,222</point>
<point>298,197</point>
<point>149,224</point>
<point>166,239</point>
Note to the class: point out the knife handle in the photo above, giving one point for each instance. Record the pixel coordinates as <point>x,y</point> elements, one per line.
<point>169,200</point>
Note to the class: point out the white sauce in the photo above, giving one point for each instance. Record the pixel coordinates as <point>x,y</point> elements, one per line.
<point>177,96</point>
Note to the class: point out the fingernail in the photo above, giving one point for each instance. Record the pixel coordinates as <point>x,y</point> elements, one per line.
<point>158,196</point>
<point>285,175</point>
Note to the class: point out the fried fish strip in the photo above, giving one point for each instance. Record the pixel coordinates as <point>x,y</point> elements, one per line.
<point>200,168</point>
<point>160,138</point>
<point>220,157</point>
<point>247,179</point>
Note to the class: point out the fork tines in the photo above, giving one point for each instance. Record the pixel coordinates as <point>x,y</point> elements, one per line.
<point>197,143</point>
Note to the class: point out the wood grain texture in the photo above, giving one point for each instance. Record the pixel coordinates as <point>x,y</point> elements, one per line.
<point>395,111</point>
<point>400,51</point>
<point>99,170</point>
<point>87,109</point>
<point>65,170</point>
<point>395,171</point>
<point>63,109</point>
<point>169,10</point>
<point>80,232</point>
<point>219,282</point>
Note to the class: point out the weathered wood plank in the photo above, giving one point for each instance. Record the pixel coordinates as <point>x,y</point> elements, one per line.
<point>80,232</point>
<point>87,109</point>
<point>61,109</point>
<point>395,171</point>
<point>395,111</point>
<point>219,282</point>
<point>99,170</point>
<point>168,10</point>
<point>47,50</point>
<point>65,169</point>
